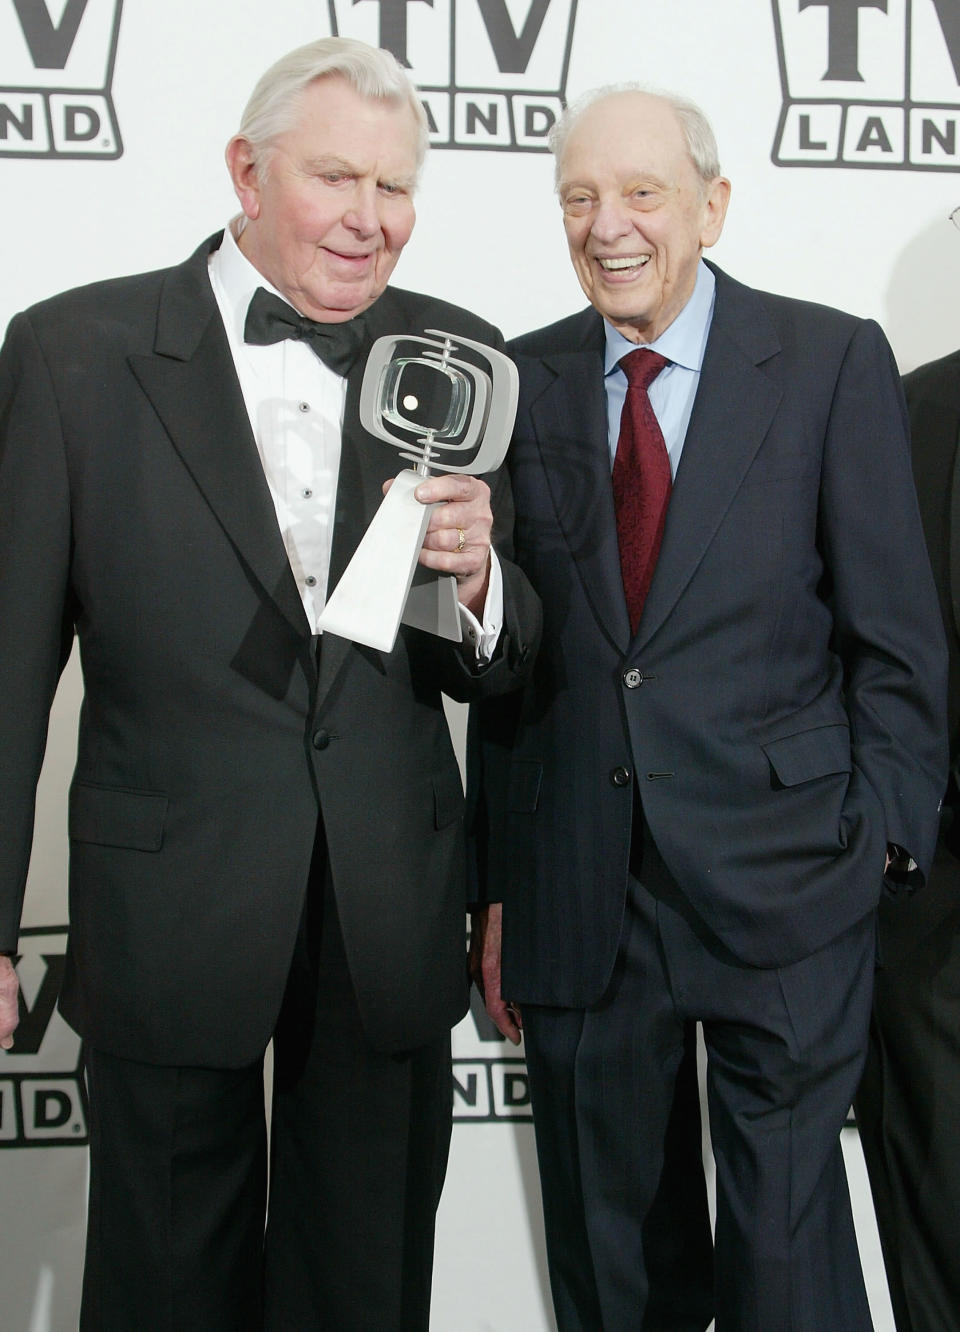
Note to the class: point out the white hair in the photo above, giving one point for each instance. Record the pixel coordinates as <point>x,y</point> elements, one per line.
<point>370,71</point>
<point>699,137</point>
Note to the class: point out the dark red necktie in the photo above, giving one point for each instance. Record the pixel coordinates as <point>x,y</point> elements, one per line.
<point>641,481</point>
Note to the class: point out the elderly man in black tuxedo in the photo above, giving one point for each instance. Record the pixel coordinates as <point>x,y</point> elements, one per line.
<point>266,823</point>
<point>734,728</point>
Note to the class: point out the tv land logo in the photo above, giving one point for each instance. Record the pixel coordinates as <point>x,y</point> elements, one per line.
<point>55,78</point>
<point>869,83</point>
<point>488,1085</point>
<point>492,74</point>
<point>866,83</point>
<point>43,1100</point>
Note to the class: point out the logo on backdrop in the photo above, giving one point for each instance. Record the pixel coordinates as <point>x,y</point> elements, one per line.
<point>869,83</point>
<point>42,1096</point>
<point>55,78</point>
<point>491,73</point>
<point>43,1099</point>
<point>489,1086</point>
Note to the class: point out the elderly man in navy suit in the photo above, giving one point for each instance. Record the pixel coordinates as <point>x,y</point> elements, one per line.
<point>734,731</point>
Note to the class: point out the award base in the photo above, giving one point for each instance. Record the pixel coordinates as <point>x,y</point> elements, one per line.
<point>375,592</point>
<point>433,605</point>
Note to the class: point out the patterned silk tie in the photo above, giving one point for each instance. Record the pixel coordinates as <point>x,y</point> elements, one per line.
<point>269,319</point>
<point>641,481</point>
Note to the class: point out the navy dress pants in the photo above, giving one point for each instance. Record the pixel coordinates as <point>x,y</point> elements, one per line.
<point>618,1134</point>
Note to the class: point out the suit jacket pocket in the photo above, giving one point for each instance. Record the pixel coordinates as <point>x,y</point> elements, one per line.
<point>448,803</point>
<point>526,776</point>
<point>806,755</point>
<point>111,816</point>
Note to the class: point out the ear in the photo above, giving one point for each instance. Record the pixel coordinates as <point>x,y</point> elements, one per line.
<point>241,163</point>
<point>714,211</point>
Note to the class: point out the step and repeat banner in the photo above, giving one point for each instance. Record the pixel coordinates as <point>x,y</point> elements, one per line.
<point>839,126</point>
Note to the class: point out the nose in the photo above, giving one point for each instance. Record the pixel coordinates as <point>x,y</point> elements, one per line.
<point>611,220</point>
<point>362,216</point>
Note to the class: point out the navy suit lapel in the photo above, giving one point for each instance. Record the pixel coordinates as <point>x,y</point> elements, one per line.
<point>192,383</point>
<point>734,407</point>
<point>570,421</point>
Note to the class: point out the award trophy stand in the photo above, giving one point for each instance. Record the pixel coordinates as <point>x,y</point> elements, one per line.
<point>436,408</point>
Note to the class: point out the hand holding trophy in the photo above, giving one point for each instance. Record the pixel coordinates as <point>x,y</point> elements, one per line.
<point>443,413</point>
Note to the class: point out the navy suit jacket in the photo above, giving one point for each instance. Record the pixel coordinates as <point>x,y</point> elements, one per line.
<point>780,709</point>
<point>135,515</point>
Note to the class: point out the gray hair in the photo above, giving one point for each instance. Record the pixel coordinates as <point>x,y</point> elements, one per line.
<point>699,137</point>
<point>370,71</point>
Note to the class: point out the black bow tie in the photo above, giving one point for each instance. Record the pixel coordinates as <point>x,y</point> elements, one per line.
<point>269,319</point>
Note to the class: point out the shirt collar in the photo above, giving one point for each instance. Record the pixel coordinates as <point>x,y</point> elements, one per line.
<point>237,278</point>
<point>685,341</point>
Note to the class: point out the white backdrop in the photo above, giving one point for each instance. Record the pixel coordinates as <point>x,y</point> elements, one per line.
<point>112,126</point>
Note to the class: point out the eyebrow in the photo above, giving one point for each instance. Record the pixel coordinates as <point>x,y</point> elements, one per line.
<point>631,179</point>
<point>333,163</point>
<point>336,163</point>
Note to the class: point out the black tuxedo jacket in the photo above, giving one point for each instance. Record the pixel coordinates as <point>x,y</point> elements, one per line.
<point>135,514</point>
<point>780,708</point>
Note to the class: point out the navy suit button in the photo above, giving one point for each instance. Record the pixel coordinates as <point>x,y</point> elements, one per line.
<point>632,678</point>
<point>321,739</point>
<point>620,776</point>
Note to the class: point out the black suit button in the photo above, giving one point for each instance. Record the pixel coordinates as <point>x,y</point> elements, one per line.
<point>632,678</point>
<point>620,776</point>
<point>321,739</point>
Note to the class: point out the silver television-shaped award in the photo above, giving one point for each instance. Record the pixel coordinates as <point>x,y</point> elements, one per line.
<point>444,414</point>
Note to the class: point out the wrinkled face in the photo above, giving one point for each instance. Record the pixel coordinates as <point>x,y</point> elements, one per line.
<point>636,213</point>
<point>328,223</point>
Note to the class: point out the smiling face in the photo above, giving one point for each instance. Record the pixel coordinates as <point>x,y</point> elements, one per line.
<point>636,213</point>
<point>328,222</point>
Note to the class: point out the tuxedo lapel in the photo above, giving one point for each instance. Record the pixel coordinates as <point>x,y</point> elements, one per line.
<point>569,418</point>
<point>734,407</point>
<point>192,384</point>
<point>365,463</point>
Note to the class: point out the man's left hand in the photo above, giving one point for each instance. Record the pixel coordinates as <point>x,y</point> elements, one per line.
<point>458,537</point>
<point>483,965</point>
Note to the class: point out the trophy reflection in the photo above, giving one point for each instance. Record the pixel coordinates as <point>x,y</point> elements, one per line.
<point>444,414</point>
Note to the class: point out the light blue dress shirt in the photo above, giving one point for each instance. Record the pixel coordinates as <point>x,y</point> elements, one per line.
<point>674,389</point>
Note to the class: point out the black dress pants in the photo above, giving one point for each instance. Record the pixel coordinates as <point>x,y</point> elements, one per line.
<point>359,1143</point>
<point>908,1106</point>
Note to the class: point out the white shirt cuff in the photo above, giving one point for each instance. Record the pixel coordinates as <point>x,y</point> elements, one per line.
<point>484,637</point>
